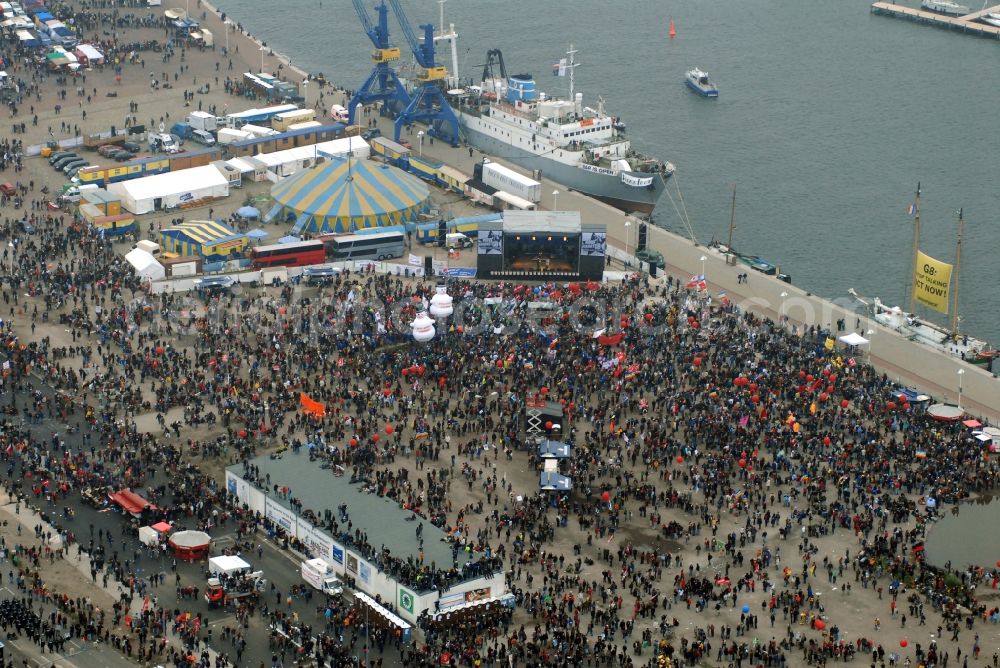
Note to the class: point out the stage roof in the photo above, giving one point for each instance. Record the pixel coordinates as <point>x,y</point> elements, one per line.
<point>561,222</point>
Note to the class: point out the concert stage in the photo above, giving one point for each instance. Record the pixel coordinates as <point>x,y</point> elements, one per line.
<point>541,246</point>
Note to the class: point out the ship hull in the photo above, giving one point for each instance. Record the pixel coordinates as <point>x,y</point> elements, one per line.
<point>605,187</point>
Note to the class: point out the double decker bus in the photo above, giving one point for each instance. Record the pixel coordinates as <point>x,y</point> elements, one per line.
<point>298,254</point>
<point>375,246</point>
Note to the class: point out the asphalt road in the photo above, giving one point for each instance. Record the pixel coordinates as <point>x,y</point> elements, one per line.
<point>281,569</point>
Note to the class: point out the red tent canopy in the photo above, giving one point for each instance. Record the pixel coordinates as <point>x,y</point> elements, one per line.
<point>130,501</point>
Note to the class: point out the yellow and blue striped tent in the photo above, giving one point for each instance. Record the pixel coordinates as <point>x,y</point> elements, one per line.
<point>345,196</point>
<point>207,238</point>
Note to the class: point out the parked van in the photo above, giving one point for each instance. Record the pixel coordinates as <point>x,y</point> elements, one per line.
<point>203,137</point>
<point>338,113</point>
<point>457,240</point>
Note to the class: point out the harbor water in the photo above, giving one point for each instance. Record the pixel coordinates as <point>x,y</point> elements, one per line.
<point>966,537</point>
<point>827,119</point>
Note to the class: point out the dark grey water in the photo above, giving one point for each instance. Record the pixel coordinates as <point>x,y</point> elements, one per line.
<point>828,117</point>
<point>968,538</point>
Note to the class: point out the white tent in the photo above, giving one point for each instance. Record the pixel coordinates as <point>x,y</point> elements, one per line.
<point>853,339</point>
<point>145,265</point>
<point>170,189</point>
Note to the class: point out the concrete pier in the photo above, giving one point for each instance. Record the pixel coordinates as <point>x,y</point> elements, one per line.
<point>967,23</point>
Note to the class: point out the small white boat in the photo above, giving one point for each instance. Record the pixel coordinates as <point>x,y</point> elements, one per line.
<point>699,82</point>
<point>945,7</point>
<point>992,18</point>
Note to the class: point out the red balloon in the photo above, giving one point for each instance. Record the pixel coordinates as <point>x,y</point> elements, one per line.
<point>605,496</point>
<point>810,378</point>
<point>998,563</point>
<point>903,642</point>
<point>743,463</point>
<point>826,372</point>
<point>753,387</point>
<point>891,405</point>
<point>387,392</point>
<point>697,361</point>
<point>389,429</point>
<point>648,317</point>
<point>820,624</point>
<point>548,424</point>
<point>499,364</point>
<point>802,374</point>
<point>823,396</point>
<point>376,438</point>
<point>680,460</point>
<point>906,407</point>
<point>243,433</point>
<point>545,390</point>
<point>826,440</point>
<point>844,403</point>
<point>755,398</point>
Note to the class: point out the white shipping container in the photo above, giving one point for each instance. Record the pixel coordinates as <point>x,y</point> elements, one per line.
<point>230,135</point>
<point>507,180</point>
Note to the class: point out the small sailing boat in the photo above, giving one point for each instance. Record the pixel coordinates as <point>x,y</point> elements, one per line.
<point>946,340</point>
<point>672,30</point>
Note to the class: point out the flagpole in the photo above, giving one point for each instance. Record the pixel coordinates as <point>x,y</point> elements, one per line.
<point>958,269</point>
<point>916,249</point>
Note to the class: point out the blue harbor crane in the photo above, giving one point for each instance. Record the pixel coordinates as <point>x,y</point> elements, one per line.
<point>428,103</point>
<point>383,84</point>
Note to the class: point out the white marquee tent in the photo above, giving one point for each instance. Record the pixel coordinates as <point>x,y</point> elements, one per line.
<point>145,265</point>
<point>170,189</point>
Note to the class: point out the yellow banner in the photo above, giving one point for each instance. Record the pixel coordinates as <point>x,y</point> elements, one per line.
<point>931,282</point>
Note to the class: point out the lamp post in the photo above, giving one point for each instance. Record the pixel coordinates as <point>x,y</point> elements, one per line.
<point>628,224</point>
<point>961,372</point>
<point>262,58</point>
<point>420,142</point>
<point>781,315</point>
<point>225,25</point>
<point>305,93</point>
<point>555,200</point>
<point>703,258</point>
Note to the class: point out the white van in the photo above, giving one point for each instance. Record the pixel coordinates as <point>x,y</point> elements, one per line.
<point>339,113</point>
<point>457,240</point>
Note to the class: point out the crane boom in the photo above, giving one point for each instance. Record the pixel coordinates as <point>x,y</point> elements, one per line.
<point>366,21</point>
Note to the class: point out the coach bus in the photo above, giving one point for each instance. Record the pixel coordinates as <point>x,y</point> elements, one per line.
<point>298,254</point>
<point>377,246</point>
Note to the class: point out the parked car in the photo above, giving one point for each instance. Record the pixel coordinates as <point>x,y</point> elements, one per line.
<point>107,150</point>
<point>59,154</point>
<point>132,147</point>
<point>61,162</point>
<point>76,170</point>
<point>69,167</point>
<point>8,189</point>
<point>27,227</point>
<point>652,257</point>
<point>370,134</point>
<point>122,156</point>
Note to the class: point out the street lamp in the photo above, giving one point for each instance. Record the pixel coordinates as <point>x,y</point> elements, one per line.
<point>305,93</point>
<point>703,258</point>
<point>555,200</point>
<point>420,141</point>
<point>961,372</point>
<point>781,316</point>
<point>628,224</point>
<point>262,58</point>
<point>226,26</point>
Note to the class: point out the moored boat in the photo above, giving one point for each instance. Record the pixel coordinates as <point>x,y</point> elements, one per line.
<point>946,7</point>
<point>909,324</point>
<point>699,82</point>
<point>992,19</point>
<point>582,148</point>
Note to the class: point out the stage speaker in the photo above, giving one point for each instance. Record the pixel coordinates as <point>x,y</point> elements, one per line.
<point>442,233</point>
<point>641,243</point>
<point>428,265</point>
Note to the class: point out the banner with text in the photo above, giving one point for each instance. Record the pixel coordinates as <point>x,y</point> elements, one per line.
<point>931,282</point>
